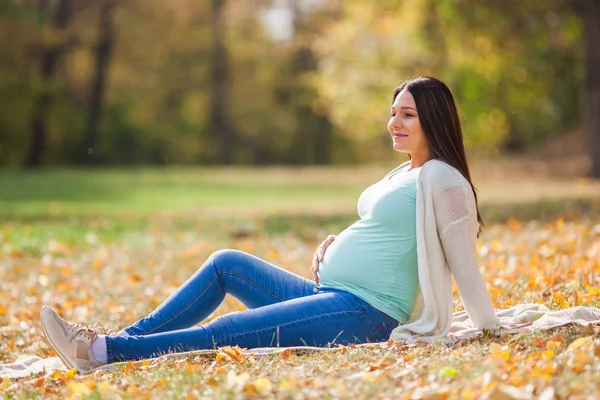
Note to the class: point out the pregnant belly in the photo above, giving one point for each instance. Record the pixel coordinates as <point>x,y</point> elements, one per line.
<point>351,256</point>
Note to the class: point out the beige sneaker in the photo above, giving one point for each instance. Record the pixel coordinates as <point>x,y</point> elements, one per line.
<point>72,342</point>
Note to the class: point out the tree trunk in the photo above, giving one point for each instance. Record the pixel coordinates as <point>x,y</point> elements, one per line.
<point>219,124</point>
<point>313,139</point>
<point>103,53</point>
<point>48,61</point>
<point>589,12</point>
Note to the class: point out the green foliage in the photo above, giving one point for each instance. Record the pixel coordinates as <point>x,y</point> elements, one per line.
<point>515,67</point>
<point>321,96</point>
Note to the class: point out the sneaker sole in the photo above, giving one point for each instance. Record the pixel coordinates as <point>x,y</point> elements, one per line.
<point>67,362</point>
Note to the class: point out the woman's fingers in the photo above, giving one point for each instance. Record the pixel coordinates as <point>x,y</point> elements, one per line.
<point>318,257</point>
<point>324,246</point>
<point>314,269</point>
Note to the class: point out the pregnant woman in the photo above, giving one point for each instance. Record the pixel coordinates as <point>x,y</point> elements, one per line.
<point>388,275</point>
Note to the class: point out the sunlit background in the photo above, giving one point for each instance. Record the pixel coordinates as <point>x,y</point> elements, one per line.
<point>186,82</point>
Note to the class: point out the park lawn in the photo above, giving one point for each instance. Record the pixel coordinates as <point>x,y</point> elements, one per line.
<point>108,246</point>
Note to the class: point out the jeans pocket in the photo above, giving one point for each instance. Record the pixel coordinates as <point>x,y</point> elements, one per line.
<point>381,334</point>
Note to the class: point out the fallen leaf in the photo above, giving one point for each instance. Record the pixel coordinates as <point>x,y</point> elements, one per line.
<point>369,377</point>
<point>499,353</point>
<point>70,373</point>
<point>78,388</point>
<point>234,353</point>
<point>5,384</point>
<point>448,372</point>
<point>285,354</point>
<point>263,385</point>
<point>577,343</point>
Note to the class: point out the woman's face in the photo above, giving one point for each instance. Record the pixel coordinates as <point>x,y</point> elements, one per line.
<point>405,128</point>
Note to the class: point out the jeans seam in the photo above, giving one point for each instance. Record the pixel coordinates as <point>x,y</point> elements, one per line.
<point>364,315</point>
<point>243,277</point>
<point>214,265</point>
<point>299,320</point>
<point>109,355</point>
<point>383,325</point>
<point>183,309</point>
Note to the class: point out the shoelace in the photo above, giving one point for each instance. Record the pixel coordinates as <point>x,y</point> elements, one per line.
<point>74,329</point>
<point>95,329</point>
<point>101,330</point>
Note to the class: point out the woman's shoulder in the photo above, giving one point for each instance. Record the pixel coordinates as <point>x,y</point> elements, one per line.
<point>438,172</point>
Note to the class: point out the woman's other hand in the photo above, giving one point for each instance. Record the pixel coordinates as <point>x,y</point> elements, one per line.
<point>318,257</point>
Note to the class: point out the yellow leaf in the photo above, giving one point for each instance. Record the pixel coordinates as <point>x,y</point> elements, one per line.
<point>5,384</point>
<point>71,373</point>
<point>145,363</point>
<point>263,385</point>
<point>553,344</point>
<point>3,310</point>
<point>79,388</point>
<point>577,343</point>
<point>593,291</point>
<point>549,354</point>
<point>498,352</point>
<point>369,377</point>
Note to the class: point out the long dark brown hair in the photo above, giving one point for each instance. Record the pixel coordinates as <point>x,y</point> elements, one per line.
<point>440,123</point>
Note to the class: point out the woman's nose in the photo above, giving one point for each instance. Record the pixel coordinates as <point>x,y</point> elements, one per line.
<point>396,122</point>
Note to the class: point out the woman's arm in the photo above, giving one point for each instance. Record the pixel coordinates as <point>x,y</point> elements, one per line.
<point>456,220</point>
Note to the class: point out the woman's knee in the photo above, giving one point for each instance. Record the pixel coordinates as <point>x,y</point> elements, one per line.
<point>226,258</point>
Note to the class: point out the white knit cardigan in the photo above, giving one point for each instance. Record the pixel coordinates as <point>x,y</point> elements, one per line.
<point>446,244</point>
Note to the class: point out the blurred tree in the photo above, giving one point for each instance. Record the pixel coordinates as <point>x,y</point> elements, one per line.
<point>312,141</point>
<point>589,12</point>
<point>514,66</point>
<point>103,51</point>
<point>281,81</point>
<point>49,56</point>
<point>219,124</point>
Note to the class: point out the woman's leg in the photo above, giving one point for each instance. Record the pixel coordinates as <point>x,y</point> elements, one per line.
<point>253,281</point>
<point>330,316</point>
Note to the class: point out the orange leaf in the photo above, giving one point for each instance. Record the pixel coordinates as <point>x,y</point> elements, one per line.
<point>285,354</point>
<point>233,352</point>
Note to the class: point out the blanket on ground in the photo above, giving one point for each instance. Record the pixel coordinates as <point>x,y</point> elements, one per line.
<point>526,317</point>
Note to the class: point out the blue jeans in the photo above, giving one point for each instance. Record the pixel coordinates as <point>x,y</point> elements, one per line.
<point>284,309</point>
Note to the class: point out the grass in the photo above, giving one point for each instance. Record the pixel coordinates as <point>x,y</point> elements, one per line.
<point>108,246</point>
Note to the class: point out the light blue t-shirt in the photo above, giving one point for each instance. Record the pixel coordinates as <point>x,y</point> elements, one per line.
<point>376,257</point>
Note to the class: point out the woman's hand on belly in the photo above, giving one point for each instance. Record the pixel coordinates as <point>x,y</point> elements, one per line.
<point>318,257</point>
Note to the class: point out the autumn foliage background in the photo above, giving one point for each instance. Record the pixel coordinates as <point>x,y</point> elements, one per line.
<point>163,131</point>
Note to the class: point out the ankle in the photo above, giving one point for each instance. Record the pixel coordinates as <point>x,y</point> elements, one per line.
<point>99,349</point>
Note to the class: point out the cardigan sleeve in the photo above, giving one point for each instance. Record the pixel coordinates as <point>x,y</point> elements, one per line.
<point>455,217</point>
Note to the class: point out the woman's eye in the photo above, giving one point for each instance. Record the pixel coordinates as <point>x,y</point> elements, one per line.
<point>408,115</point>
